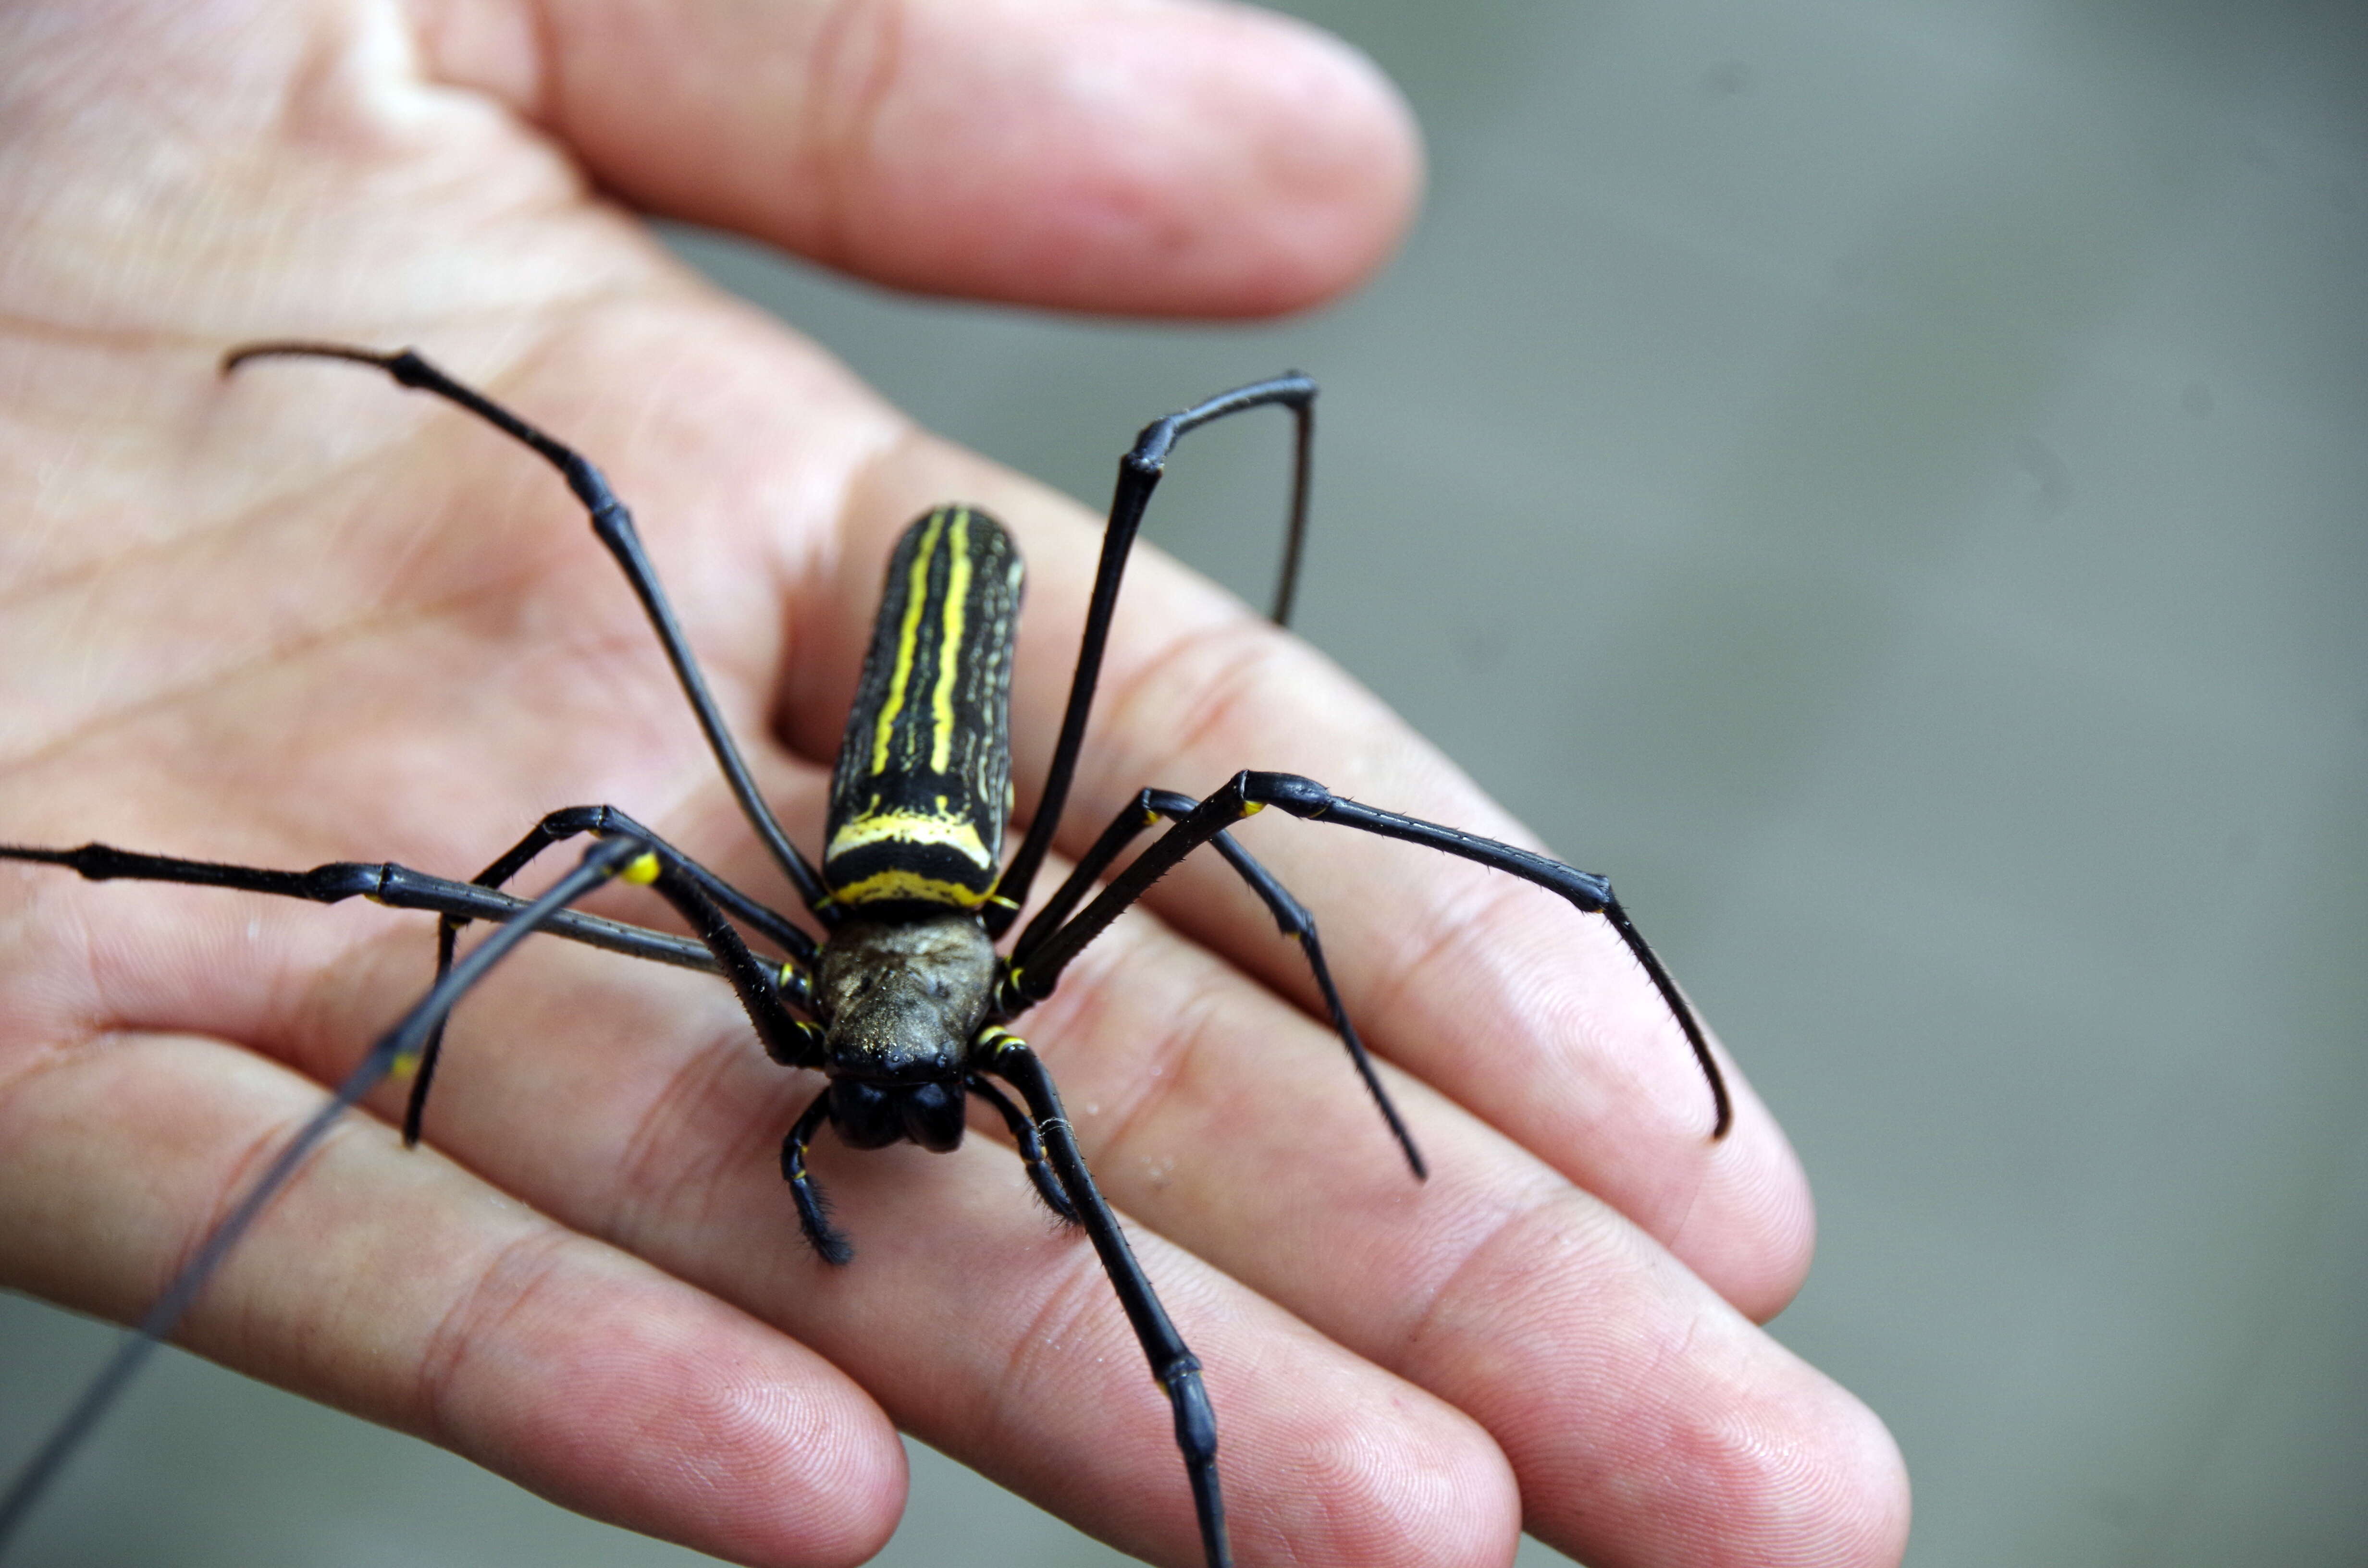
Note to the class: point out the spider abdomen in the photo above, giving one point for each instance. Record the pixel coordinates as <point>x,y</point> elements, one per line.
<point>923,784</point>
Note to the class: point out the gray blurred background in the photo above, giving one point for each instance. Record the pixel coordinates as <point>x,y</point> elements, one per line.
<point>1913,456</point>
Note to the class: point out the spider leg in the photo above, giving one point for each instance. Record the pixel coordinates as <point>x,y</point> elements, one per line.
<point>1138,475</point>
<point>1250,792</point>
<point>381,881</point>
<point>400,1044</point>
<point>789,1041</point>
<point>717,950</point>
<point>794,982</point>
<point>761,984</point>
<point>614,527</point>
<point>828,1241</point>
<point>1031,1146</point>
<point>1173,1365</point>
<point>1146,810</point>
<point>569,821</point>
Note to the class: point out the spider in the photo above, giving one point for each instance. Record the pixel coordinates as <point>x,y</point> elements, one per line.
<point>902,1004</point>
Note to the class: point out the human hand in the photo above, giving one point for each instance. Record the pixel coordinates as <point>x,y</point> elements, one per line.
<point>298,618</point>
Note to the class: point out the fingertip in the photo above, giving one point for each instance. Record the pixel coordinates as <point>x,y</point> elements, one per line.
<point>681,1416</point>
<point>1749,1229</point>
<point>1879,1500</point>
<point>1812,1475</point>
<point>1380,1474</point>
<point>1458,1506</point>
<point>1317,178</point>
<point>1798,1470</point>
<point>1188,157</point>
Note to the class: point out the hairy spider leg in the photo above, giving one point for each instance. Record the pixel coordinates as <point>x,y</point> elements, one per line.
<point>566,823</point>
<point>1148,808</point>
<point>614,527</point>
<point>611,857</point>
<point>830,1242</point>
<point>381,881</point>
<point>1249,793</point>
<point>1173,1365</point>
<point>1032,1147</point>
<point>766,989</point>
<point>1139,473</point>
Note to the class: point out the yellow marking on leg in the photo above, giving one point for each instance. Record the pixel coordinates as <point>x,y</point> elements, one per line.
<point>642,870</point>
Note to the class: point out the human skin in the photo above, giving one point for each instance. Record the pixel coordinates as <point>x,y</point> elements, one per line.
<point>297,616</point>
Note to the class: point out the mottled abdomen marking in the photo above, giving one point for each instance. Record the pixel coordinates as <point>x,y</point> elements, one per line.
<point>924,778</point>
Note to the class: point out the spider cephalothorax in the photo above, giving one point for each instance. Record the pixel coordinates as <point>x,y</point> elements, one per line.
<point>900,1005</point>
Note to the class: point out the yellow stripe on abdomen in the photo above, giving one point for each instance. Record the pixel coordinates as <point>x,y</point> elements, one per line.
<point>908,637</point>
<point>950,646</point>
<point>911,827</point>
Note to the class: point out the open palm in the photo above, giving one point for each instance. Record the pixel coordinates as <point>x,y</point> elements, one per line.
<point>297,617</point>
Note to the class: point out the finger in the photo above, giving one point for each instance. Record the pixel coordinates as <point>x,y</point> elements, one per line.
<point>1647,1421</point>
<point>1501,996</point>
<point>1177,157</point>
<point>403,1290</point>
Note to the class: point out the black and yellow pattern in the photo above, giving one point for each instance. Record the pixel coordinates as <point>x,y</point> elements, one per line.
<point>923,781</point>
